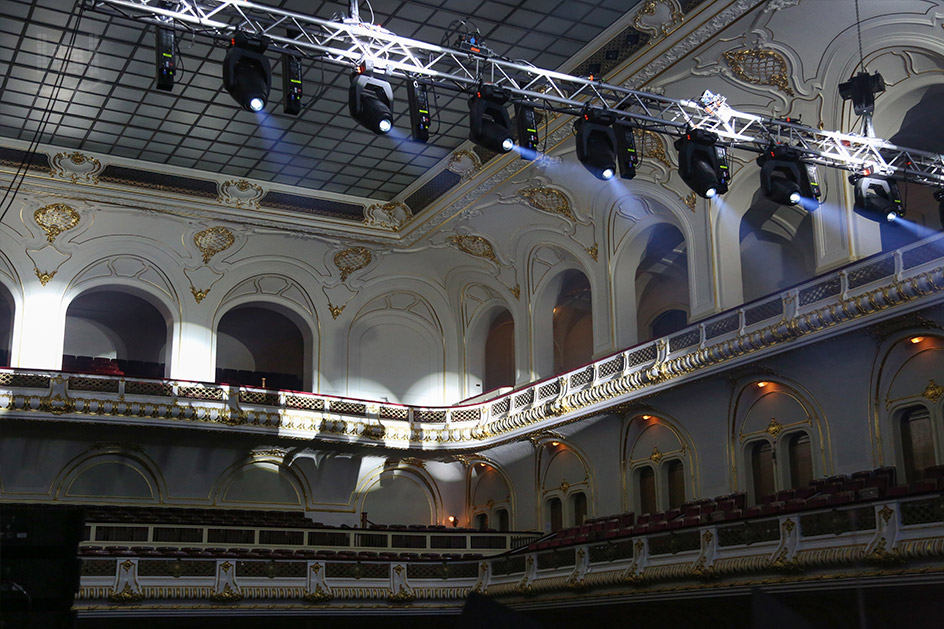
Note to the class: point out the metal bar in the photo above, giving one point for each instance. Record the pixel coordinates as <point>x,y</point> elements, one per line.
<point>350,42</point>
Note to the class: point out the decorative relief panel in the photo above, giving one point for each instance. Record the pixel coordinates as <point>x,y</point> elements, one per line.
<point>760,67</point>
<point>55,219</point>
<point>128,267</point>
<point>474,246</point>
<point>351,260</point>
<point>241,194</point>
<point>464,163</point>
<point>658,17</point>
<point>392,216</point>
<point>213,241</point>
<point>651,146</point>
<point>76,167</point>
<point>548,199</point>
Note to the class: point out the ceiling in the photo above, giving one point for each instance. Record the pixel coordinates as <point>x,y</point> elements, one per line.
<point>107,102</point>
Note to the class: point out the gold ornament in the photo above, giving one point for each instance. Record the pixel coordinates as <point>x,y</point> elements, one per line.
<point>650,145</point>
<point>351,260</point>
<point>760,67</point>
<point>212,241</point>
<point>774,427</point>
<point>335,310</point>
<point>55,219</point>
<point>44,276</point>
<point>474,246</point>
<point>198,295</point>
<point>548,199</point>
<point>933,392</point>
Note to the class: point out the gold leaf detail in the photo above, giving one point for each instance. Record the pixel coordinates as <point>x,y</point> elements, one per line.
<point>774,427</point>
<point>548,199</point>
<point>228,595</point>
<point>198,295</point>
<point>55,219</point>
<point>656,455</point>
<point>127,595</point>
<point>516,291</point>
<point>933,392</point>
<point>650,144</point>
<point>474,246</point>
<point>649,9</point>
<point>44,276</point>
<point>335,310</point>
<point>690,201</point>
<point>760,67</point>
<point>351,260</point>
<point>594,251</point>
<point>212,241</point>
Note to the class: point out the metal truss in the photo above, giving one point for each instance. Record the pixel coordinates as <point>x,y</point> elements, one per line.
<point>351,42</point>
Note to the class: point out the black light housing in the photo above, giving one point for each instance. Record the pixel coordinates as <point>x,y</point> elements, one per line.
<point>787,180</point>
<point>489,122</point>
<point>247,75</point>
<point>703,163</point>
<point>291,84</point>
<point>165,67</point>
<point>626,153</point>
<point>877,199</point>
<point>861,89</point>
<point>418,98</point>
<point>527,121</point>
<point>596,143</point>
<point>370,102</point>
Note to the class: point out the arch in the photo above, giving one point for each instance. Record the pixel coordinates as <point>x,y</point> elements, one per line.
<point>773,411</point>
<point>399,495</point>
<point>257,345</point>
<point>117,329</point>
<point>107,475</point>
<point>392,330</point>
<point>260,481</point>
<point>7,321</point>
<point>476,345</point>
<point>285,298</point>
<point>562,472</point>
<point>651,444</point>
<point>661,278</point>
<point>490,492</point>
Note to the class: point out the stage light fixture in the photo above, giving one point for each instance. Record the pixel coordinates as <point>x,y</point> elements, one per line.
<point>703,163</point>
<point>787,180</point>
<point>626,153</point>
<point>939,197</point>
<point>527,121</point>
<point>164,64</point>
<point>596,143</point>
<point>291,84</point>
<point>370,102</point>
<point>247,75</point>
<point>489,123</point>
<point>419,110</point>
<point>877,199</point>
<point>861,90</point>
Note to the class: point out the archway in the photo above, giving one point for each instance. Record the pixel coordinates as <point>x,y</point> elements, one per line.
<point>258,346</point>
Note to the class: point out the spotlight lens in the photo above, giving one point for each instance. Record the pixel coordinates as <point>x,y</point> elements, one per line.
<point>710,193</point>
<point>607,173</point>
<point>795,197</point>
<point>256,104</point>
<point>891,217</point>
<point>385,125</point>
<point>507,144</point>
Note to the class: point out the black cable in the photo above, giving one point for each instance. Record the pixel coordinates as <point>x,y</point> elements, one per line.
<point>859,32</point>
<point>27,160</point>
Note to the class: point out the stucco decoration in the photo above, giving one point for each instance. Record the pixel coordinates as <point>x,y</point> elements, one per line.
<point>351,260</point>
<point>76,167</point>
<point>464,163</point>
<point>658,17</point>
<point>240,194</point>
<point>55,219</point>
<point>213,241</point>
<point>129,267</point>
<point>474,246</point>
<point>392,216</point>
<point>651,146</point>
<point>548,199</point>
<point>760,67</point>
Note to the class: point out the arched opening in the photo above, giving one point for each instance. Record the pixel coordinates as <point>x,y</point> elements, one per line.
<point>503,519</point>
<point>800,455</point>
<point>116,333</point>
<point>662,284</point>
<point>500,352</point>
<point>675,477</point>
<point>6,325</point>
<point>917,442</point>
<point>573,323</point>
<point>762,469</point>
<point>578,506</point>
<point>257,346</point>
<point>480,522</point>
<point>776,247</point>
<point>646,489</point>
<point>555,514</point>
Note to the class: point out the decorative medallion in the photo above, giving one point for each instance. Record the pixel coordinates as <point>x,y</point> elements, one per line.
<point>335,310</point>
<point>675,16</point>
<point>474,246</point>
<point>464,163</point>
<point>351,260</point>
<point>774,427</point>
<point>564,486</point>
<point>198,295</point>
<point>594,251</point>
<point>391,216</point>
<point>241,194</point>
<point>126,595</point>
<point>656,455</point>
<point>886,513</point>
<point>760,67</point>
<point>44,276</point>
<point>76,167</point>
<point>650,145</point>
<point>212,241</point>
<point>933,392</point>
<point>55,219</point>
<point>548,199</point>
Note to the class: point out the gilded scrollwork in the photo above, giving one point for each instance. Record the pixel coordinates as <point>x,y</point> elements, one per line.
<point>474,246</point>
<point>650,10</point>
<point>76,167</point>
<point>548,199</point>
<point>212,241</point>
<point>464,163</point>
<point>760,67</point>
<point>650,145</point>
<point>44,277</point>
<point>55,219</point>
<point>933,391</point>
<point>240,193</point>
<point>392,216</point>
<point>351,260</point>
